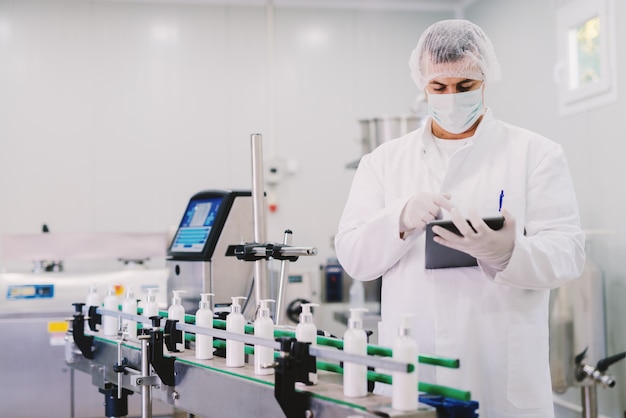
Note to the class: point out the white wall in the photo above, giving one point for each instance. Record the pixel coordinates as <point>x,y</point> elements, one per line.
<point>524,36</point>
<point>112,114</point>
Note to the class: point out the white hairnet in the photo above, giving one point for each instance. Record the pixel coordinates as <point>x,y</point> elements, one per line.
<point>454,48</point>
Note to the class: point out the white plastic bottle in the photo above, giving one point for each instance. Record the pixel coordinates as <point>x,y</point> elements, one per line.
<point>110,324</point>
<point>150,307</point>
<point>204,318</point>
<point>357,294</point>
<point>355,342</point>
<point>93,299</point>
<point>177,311</point>
<point>404,385</point>
<point>306,331</point>
<point>129,306</point>
<point>235,322</point>
<point>264,328</point>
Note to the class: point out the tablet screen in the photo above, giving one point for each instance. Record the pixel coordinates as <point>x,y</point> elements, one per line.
<point>439,256</point>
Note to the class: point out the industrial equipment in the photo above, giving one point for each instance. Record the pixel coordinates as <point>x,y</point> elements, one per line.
<point>33,309</point>
<point>375,131</point>
<point>34,306</point>
<point>121,366</point>
<point>210,253</point>
<point>214,220</point>
<point>577,332</point>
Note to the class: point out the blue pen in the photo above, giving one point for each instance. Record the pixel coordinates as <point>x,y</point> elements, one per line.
<point>501,199</point>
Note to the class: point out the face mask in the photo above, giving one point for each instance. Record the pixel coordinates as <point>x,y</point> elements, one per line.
<point>456,112</point>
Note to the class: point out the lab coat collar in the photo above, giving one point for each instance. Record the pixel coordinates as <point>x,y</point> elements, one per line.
<point>486,124</point>
<point>430,154</point>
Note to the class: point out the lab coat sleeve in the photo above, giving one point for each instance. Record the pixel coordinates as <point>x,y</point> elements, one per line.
<point>368,240</point>
<point>550,249</point>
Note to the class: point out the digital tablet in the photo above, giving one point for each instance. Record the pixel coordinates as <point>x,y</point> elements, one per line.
<point>441,257</point>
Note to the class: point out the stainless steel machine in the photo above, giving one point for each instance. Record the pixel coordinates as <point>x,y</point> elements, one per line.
<point>124,366</point>
<point>198,257</point>
<point>220,247</point>
<point>212,252</point>
<point>375,131</point>
<point>33,310</point>
<point>578,336</point>
<point>51,270</point>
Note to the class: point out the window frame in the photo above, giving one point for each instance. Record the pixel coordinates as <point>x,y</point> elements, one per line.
<point>604,91</point>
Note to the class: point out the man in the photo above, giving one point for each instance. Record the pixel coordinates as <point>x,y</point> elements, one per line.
<point>465,164</point>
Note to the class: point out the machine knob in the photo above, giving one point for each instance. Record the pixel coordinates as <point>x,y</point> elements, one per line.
<point>78,306</point>
<point>156,321</point>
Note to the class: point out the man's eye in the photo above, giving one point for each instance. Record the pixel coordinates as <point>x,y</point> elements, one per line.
<point>439,89</point>
<point>463,88</point>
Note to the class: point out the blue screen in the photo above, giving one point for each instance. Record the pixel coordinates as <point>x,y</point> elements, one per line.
<point>195,228</point>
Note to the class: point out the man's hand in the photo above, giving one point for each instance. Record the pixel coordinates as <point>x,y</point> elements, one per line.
<point>421,209</point>
<point>478,240</point>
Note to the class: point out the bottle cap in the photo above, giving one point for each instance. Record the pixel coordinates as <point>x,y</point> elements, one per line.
<point>151,294</point>
<point>307,316</point>
<point>405,325</point>
<point>176,296</point>
<point>235,307</point>
<point>204,300</point>
<point>356,318</point>
<point>264,312</point>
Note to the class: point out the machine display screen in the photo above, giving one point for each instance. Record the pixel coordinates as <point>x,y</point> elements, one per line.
<point>195,227</point>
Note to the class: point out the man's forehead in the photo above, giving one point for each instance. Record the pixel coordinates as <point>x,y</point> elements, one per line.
<point>446,81</point>
<point>464,68</point>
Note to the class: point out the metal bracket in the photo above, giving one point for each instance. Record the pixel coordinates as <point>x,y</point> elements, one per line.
<point>172,335</point>
<point>596,374</point>
<point>94,318</point>
<point>162,365</point>
<point>144,380</point>
<point>294,362</point>
<point>82,341</point>
<point>254,251</point>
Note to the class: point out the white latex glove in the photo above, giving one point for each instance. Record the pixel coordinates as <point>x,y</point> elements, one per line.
<point>481,242</point>
<point>421,209</point>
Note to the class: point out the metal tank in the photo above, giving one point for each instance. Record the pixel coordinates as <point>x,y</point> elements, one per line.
<point>578,356</point>
<point>376,131</point>
<point>577,324</point>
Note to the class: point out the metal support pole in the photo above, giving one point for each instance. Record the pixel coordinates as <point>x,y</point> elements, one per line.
<point>119,364</point>
<point>72,401</point>
<point>284,278</point>
<point>146,389</point>
<point>259,221</point>
<point>589,395</point>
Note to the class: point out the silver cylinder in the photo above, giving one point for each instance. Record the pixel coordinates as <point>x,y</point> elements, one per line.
<point>146,389</point>
<point>284,278</point>
<point>261,286</point>
<point>119,363</point>
<point>589,396</point>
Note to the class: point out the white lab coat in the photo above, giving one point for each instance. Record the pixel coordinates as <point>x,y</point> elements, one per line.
<point>496,324</point>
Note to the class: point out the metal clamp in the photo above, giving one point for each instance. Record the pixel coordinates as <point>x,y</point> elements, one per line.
<point>82,341</point>
<point>144,380</point>
<point>164,366</point>
<point>293,365</point>
<point>172,335</point>
<point>597,374</point>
